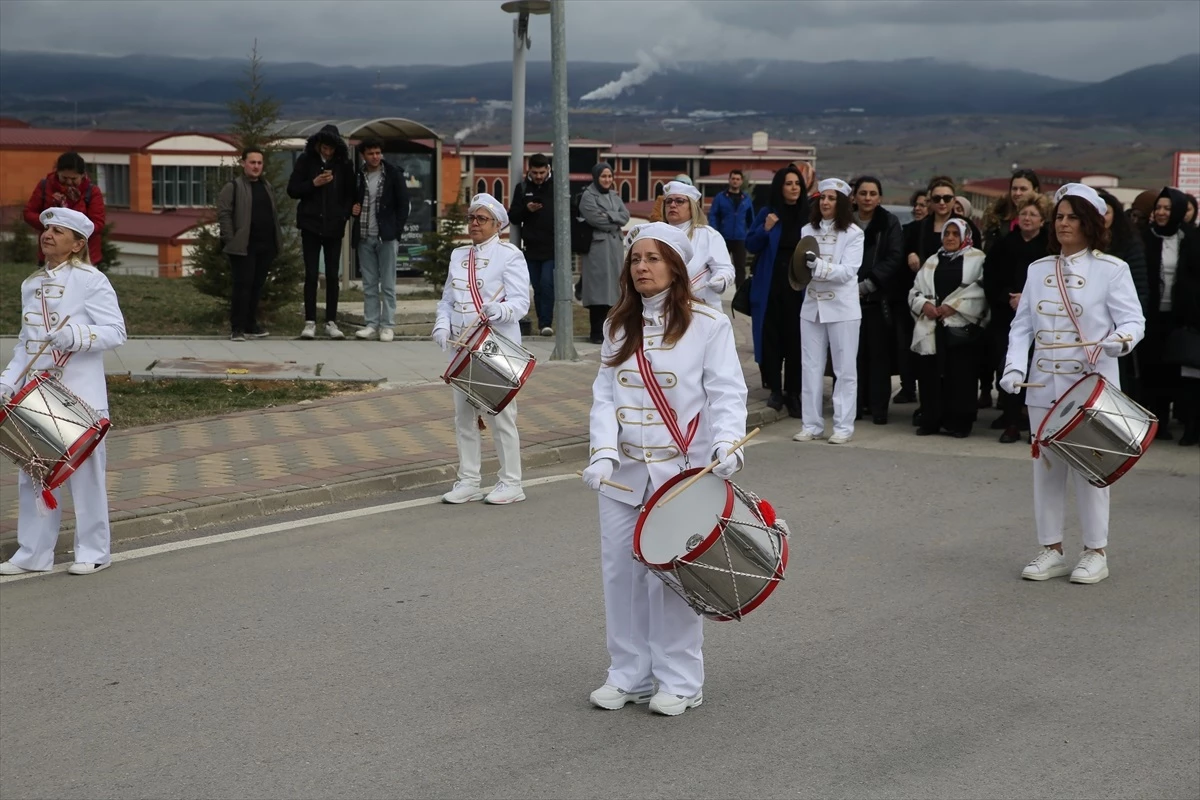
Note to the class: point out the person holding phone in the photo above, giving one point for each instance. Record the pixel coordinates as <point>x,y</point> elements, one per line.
<point>532,213</point>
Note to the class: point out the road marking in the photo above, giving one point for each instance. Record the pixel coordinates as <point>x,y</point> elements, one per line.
<point>277,527</point>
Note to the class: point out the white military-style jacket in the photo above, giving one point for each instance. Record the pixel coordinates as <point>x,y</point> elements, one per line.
<point>710,259</point>
<point>83,293</point>
<point>832,294</point>
<point>1101,292</point>
<point>502,277</point>
<point>700,375</point>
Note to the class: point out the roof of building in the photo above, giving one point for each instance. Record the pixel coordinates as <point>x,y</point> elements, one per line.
<point>91,140</point>
<point>13,122</point>
<point>360,128</point>
<point>137,226</point>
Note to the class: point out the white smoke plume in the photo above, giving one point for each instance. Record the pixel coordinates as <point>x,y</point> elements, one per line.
<point>649,65</point>
<point>488,116</point>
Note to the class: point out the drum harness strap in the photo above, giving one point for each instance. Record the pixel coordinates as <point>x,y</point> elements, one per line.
<point>682,441</point>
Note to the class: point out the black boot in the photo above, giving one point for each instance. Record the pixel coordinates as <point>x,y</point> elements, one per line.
<point>775,401</point>
<point>793,405</point>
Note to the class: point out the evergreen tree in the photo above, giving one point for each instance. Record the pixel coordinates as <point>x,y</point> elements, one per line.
<point>439,243</point>
<point>110,253</point>
<point>255,120</point>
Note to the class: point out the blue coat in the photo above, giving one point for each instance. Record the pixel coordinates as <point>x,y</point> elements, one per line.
<point>731,222</point>
<point>763,244</point>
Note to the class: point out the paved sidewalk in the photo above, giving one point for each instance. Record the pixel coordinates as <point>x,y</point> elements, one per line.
<point>181,475</point>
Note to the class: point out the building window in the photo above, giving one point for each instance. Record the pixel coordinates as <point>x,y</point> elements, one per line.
<point>626,165</point>
<point>626,191</point>
<point>174,186</point>
<point>491,162</point>
<point>678,165</point>
<point>113,182</point>
<point>498,189</point>
<point>481,186</point>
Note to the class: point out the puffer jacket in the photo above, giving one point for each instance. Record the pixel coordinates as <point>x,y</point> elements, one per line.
<point>323,210</point>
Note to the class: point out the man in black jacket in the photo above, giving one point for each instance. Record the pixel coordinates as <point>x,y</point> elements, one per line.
<point>323,181</point>
<point>883,257</point>
<point>379,216</point>
<point>532,211</point>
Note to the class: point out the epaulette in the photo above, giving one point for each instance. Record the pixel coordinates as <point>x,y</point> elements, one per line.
<point>705,309</point>
<point>1109,258</point>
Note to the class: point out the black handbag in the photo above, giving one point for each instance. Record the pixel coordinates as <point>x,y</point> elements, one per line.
<point>741,298</point>
<point>1183,347</point>
<point>957,336</point>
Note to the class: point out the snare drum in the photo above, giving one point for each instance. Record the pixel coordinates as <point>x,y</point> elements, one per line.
<point>1098,430</point>
<point>718,546</point>
<point>48,431</point>
<point>489,369</point>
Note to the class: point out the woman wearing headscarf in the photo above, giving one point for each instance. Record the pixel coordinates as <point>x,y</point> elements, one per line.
<point>1001,217</point>
<point>831,313</point>
<point>602,209</point>
<point>657,329</point>
<point>68,286</point>
<point>1102,306</point>
<point>951,310</point>
<point>710,268</point>
<point>1004,273</point>
<point>774,304</point>
<point>1169,246</point>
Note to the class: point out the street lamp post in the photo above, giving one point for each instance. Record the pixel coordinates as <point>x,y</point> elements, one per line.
<point>564,312</point>
<point>521,43</point>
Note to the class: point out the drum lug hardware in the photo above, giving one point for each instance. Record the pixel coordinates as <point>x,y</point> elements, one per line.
<point>694,541</point>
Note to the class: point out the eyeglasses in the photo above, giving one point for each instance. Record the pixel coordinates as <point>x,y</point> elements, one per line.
<point>479,219</point>
<point>676,201</point>
<point>941,198</point>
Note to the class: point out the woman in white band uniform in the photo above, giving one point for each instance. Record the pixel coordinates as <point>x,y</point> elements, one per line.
<point>669,394</point>
<point>1103,308</point>
<point>710,268</point>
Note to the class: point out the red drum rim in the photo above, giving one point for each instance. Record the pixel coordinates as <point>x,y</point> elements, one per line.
<point>76,454</point>
<point>456,365</point>
<point>767,590</point>
<point>508,398</point>
<point>696,551</point>
<point>16,399</point>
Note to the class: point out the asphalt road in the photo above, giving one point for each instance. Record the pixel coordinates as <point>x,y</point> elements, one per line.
<point>440,652</point>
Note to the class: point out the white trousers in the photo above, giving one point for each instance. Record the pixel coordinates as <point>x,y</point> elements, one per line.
<point>470,441</point>
<point>37,531</point>
<point>841,339</point>
<point>652,632</point>
<point>1050,478</point>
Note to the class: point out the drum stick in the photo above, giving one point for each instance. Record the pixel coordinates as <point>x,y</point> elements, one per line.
<point>42,349</point>
<point>1031,385</point>
<point>707,469</point>
<point>1063,345</point>
<point>459,342</point>
<point>607,482</point>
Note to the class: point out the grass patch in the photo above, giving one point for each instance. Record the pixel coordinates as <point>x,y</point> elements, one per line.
<point>150,402</point>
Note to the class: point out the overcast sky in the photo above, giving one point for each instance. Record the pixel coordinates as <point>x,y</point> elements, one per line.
<point>1078,39</point>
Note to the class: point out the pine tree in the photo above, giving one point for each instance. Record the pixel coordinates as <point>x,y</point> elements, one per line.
<point>440,243</point>
<point>255,120</point>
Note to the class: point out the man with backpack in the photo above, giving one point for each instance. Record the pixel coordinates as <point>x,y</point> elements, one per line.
<point>68,186</point>
<point>532,211</point>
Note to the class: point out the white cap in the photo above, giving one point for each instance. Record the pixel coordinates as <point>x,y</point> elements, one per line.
<point>683,189</point>
<point>494,206</point>
<point>669,235</point>
<point>1084,191</point>
<point>66,218</point>
<point>836,184</point>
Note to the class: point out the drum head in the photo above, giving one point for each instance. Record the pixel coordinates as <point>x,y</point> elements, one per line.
<point>667,531</point>
<point>1073,401</point>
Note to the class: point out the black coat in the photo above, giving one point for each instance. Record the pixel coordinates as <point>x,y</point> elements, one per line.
<point>1189,259</point>
<point>392,213</point>
<point>323,210</point>
<point>883,253</point>
<point>922,239</point>
<point>537,227</point>
<point>1006,267</point>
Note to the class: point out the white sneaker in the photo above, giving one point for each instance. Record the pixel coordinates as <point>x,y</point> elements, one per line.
<point>504,494</point>
<point>673,705</point>
<point>386,335</point>
<point>366,333</point>
<point>83,568</point>
<point>333,332</point>
<point>1092,568</point>
<point>9,568</point>
<point>462,493</point>
<point>806,436</point>
<point>1047,564</point>
<point>611,698</point>
<point>837,438</point>
<point>310,330</point>
<point>547,331</point>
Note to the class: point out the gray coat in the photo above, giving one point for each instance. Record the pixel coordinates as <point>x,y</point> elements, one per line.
<point>601,266</point>
<point>233,215</point>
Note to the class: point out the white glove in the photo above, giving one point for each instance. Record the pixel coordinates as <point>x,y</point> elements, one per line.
<point>728,463</point>
<point>821,269</point>
<point>6,393</point>
<point>1112,346</point>
<point>441,336</point>
<point>717,284</point>
<point>63,339</point>
<point>864,288</point>
<point>493,312</point>
<point>601,470</point>
<point>1010,380</point>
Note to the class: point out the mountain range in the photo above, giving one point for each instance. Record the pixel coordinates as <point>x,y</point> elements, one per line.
<point>35,85</point>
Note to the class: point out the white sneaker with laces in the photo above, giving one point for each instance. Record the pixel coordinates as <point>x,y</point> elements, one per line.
<point>83,568</point>
<point>386,335</point>
<point>672,705</point>
<point>366,333</point>
<point>806,436</point>
<point>462,493</point>
<point>611,698</point>
<point>838,438</point>
<point>333,331</point>
<point>1047,564</point>
<point>1092,568</point>
<point>547,331</point>
<point>504,494</point>
<point>310,330</point>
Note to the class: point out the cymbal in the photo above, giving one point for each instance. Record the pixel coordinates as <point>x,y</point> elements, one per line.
<point>801,273</point>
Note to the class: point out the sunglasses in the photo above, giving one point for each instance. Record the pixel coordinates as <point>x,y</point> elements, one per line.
<point>479,219</point>
<point>941,198</point>
<point>676,201</point>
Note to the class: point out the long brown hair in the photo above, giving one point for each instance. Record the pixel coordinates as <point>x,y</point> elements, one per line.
<point>626,315</point>
<point>1091,225</point>
<point>843,217</point>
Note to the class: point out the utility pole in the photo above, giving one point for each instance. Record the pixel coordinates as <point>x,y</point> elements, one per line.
<point>564,312</point>
<point>521,43</point>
